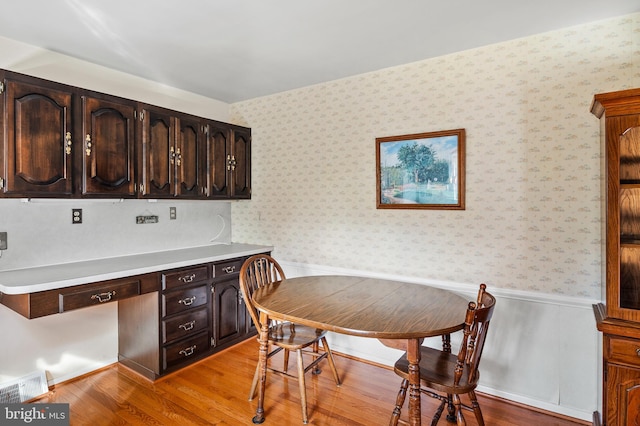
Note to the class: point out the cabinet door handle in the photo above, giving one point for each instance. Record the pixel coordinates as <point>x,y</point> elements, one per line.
<point>231,162</point>
<point>87,140</point>
<point>67,143</point>
<point>229,269</point>
<point>187,300</point>
<point>187,278</point>
<point>103,297</point>
<point>187,325</point>
<point>188,351</point>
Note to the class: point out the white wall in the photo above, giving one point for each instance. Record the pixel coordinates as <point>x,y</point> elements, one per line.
<point>40,232</point>
<point>533,220</point>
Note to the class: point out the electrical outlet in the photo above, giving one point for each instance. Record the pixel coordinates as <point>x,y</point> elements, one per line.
<point>172,213</point>
<point>3,240</point>
<point>76,216</point>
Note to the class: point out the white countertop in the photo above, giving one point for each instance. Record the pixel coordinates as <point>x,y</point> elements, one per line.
<point>40,278</point>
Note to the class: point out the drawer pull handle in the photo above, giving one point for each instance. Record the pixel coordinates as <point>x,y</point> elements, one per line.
<point>187,278</point>
<point>187,301</point>
<point>188,351</point>
<point>187,325</point>
<point>229,269</point>
<point>638,351</point>
<point>103,297</point>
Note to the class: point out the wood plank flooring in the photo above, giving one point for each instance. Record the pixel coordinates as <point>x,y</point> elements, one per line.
<point>215,390</point>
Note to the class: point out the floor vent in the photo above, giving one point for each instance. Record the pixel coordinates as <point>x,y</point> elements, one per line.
<point>23,388</point>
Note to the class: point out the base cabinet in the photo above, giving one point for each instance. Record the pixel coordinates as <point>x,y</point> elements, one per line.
<point>623,395</point>
<point>197,311</point>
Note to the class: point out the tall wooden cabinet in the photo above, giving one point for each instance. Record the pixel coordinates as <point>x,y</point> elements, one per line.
<point>619,319</point>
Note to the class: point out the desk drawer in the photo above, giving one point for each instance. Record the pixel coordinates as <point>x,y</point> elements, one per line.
<point>179,301</point>
<point>624,350</point>
<point>185,350</point>
<point>184,325</point>
<point>227,269</point>
<point>171,280</point>
<point>97,294</point>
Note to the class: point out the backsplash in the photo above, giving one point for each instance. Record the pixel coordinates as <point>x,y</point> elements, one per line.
<point>41,232</point>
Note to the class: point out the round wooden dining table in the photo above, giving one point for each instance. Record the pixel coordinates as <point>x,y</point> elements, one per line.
<point>361,306</point>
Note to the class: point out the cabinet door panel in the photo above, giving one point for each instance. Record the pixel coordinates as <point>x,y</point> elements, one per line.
<point>190,160</point>
<point>229,312</point>
<point>219,146</point>
<point>38,145</point>
<point>158,140</point>
<point>631,403</point>
<point>242,165</point>
<point>622,391</point>
<point>108,134</point>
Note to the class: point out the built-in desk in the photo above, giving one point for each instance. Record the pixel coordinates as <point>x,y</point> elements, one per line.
<point>174,307</point>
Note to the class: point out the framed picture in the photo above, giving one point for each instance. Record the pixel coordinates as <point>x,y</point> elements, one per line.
<point>421,171</point>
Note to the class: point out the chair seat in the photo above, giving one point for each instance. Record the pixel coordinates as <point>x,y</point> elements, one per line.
<point>293,337</point>
<point>436,371</point>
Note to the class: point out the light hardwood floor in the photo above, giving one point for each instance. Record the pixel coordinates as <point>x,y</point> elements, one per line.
<point>214,392</point>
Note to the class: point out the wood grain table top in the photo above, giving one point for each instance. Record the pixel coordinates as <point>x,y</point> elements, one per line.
<point>362,306</point>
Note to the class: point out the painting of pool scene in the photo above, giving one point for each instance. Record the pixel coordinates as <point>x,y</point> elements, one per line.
<point>423,170</point>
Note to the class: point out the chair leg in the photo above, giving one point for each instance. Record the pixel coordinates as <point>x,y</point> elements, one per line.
<point>254,383</point>
<point>458,404</point>
<point>451,410</point>
<point>316,349</point>
<point>436,416</point>
<point>285,367</point>
<point>332,364</point>
<point>476,408</point>
<point>402,394</point>
<point>301,384</point>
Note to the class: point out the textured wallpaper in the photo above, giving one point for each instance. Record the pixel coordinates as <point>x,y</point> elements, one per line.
<point>533,175</point>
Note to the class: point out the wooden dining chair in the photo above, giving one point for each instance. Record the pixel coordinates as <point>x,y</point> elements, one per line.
<point>261,270</point>
<point>446,376</point>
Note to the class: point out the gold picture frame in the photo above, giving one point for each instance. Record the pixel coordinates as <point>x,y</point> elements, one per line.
<point>421,171</point>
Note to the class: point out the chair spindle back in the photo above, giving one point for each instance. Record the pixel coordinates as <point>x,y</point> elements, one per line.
<point>477,321</point>
<point>256,272</point>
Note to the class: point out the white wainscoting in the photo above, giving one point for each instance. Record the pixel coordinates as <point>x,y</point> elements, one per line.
<point>542,350</point>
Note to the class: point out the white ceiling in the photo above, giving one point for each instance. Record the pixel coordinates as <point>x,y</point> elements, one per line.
<point>233,50</point>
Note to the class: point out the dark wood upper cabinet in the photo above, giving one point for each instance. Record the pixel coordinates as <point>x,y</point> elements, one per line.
<point>241,163</point>
<point>229,161</point>
<point>64,141</point>
<point>190,158</point>
<point>173,160</point>
<point>38,140</point>
<point>219,145</point>
<point>108,136</point>
<point>158,141</point>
